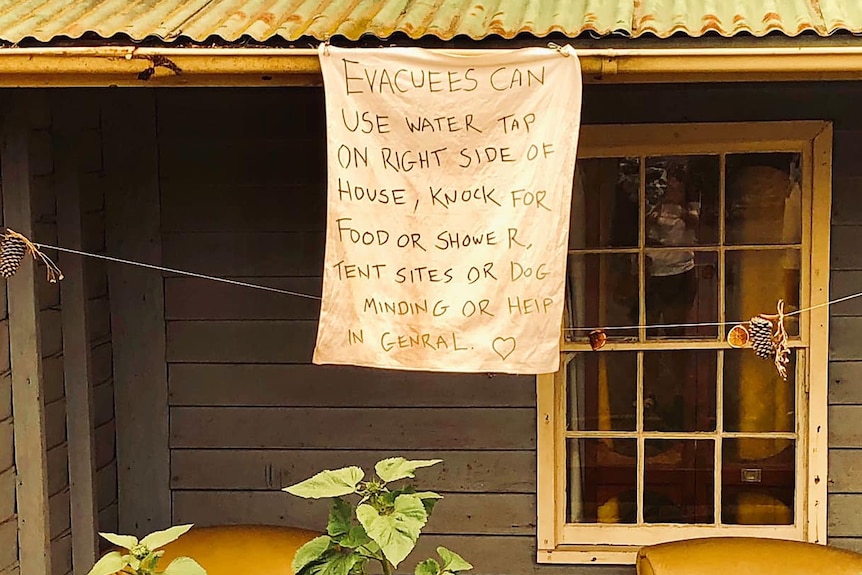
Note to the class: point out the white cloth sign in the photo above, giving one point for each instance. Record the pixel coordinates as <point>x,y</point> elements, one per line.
<point>449,191</point>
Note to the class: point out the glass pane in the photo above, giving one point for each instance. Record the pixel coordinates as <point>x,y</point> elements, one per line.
<point>681,200</point>
<point>764,199</point>
<point>602,292</point>
<point>679,390</point>
<point>756,399</point>
<point>605,203</point>
<point>602,391</point>
<point>756,280</point>
<point>602,483</point>
<point>681,297</point>
<point>757,481</point>
<point>679,481</point>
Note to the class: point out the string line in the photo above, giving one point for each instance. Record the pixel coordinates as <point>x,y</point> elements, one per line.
<point>314,297</point>
<point>178,272</point>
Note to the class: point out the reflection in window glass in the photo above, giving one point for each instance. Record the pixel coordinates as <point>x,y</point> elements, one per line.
<point>757,481</point>
<point>602,483</point>
<point>756,280</point>
<point>605,210</point>
<point>679,481</point>
<point>764,199</point>
<point>689,297</point>
<point>679,390</point>
<point>681,202</point>
<point>756,399</point>
<point>603,291</point>
<point>602,389</point>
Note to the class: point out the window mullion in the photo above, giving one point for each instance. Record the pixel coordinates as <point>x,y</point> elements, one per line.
<point>641,464</point>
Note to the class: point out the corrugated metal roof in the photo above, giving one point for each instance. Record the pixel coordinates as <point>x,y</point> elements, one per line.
<point>261,20</point>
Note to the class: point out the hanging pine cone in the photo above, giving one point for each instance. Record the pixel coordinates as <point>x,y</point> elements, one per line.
<point>761,337</point>
<point>12,251</point>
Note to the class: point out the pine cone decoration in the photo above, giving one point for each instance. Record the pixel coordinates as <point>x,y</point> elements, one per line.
<point>761,337</point>
<point>12,251</point>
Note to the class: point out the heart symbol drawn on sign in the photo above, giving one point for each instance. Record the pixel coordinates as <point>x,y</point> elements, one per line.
<point>503,346</point>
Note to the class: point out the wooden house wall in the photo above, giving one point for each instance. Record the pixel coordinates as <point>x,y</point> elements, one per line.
<point>45,186</point>
<point>8,508</point>
<point>241,179</point>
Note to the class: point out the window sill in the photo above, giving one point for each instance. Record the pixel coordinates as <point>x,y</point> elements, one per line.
<point>589,555</point>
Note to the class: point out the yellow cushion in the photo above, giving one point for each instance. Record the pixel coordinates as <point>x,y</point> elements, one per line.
<point>240,549</point>
<point>746,555</point>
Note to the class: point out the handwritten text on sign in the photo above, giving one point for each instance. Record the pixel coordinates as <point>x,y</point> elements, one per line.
<point>449,190</point>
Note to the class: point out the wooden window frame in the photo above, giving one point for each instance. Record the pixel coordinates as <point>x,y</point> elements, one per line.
<point>563,543</point>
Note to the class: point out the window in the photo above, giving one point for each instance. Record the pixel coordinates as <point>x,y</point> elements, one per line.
<point>678,232</point>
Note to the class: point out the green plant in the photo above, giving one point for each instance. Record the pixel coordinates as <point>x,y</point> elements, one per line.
<point>143,556</point>
<point>383,525</point>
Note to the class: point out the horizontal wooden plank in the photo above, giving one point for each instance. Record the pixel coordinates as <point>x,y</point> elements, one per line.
<point>61,555</point>
<point>55,423</point>
<point>59,513</point>
<point>7,446</point>
<point>192,298</point>
<point>5,396</point>
<point>93,232</point>
<point>5,363</point>
<point>106,486</point>
<point>245,254</point>
<point>51,326</point>
<point>53,379</point>
<point>263,112</point>
<point>845,254</point>
<point>11,570</point>
<point>245,161</point>
<point>843,162</point>
<point>850,543</point>
<point>8,543</point>
<point>846,207</point>
<point>107,523</point>
<point>240,341</point>
<point>845,469</point>
<point>88,142</point>
<point>105,444</point>
<point>299,428</point>
<point>43,197</point>
<point>512,555</point>
<point>96,278</point>
<point>324,385</point>
<point>845,426</point>
<point>844,283</point>
<point>845,515</point>
<point>844,332</point>
<point>103,404</point>
<point>498,514</point>
<point>99,319</point>
<point>92,191</point>
<point>58,468</point>
<point>231,208</point>
<point>267,469</point>
<point>845,382</point>
<point>41,152</point>
<point>7,494</point>
<point>101,362</point>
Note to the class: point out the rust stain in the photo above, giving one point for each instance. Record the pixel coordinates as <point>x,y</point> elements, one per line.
<point>430,18</point>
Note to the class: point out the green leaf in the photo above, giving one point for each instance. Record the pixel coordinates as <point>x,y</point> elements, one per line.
<point>397,532</point>
<point>452,561</point>
<point>427,567</point>
<point>395,468</point>
<point>328,484</point>
<point>340,564</point>
<point>109,564</point>
<point>356,537</point>
<point>310,552</point>
<point>184,566</point>
<point>339,517</point>
<point>429,500</point>
<point>161,538</point>
<point>124,541</point>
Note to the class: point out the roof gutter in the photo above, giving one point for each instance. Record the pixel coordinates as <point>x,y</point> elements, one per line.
<point>156,67</point>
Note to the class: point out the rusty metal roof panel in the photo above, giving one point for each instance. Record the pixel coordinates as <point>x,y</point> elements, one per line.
<point>199,20</point>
